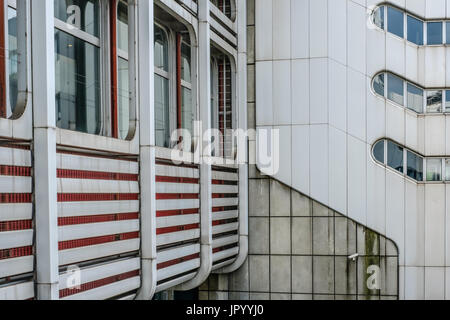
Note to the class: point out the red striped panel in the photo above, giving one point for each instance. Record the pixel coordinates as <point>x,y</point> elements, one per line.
<point>230,246</point>
<point>225,182</point>
<point>95,175</point>
<point>16,225</point>
<point>221,222</point>
<point>160,231</point>
<point>15,171</point>
<point>81,197</point>
<point>177,261</point>
<point>98,283</point>
<point>15,197</point>
<point>72,244</point>
<point>16,252</point>
<point>177,180</point>
<point>70,221</point>
<point>170,213</point>
<point>176,196</point>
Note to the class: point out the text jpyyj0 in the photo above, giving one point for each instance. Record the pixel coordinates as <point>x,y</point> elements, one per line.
<point>231,311</point>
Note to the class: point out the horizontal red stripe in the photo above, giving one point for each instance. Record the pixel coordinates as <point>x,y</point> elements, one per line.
<point>219,209</point>
<point>71,244</point>
<point>177,228</point>
<point>102,156</point>
<point>15,197</point>
<point>15,171</point>
<point>221,222</point>
<point>176,196</point>
<point>98,283</point>
<point>177,261</point>
<point>95,175</point>
<point>80,197</point>
<point>16,252</point>
<point>224,195</point>
<point>176,180</point>
<point>230,246</point>
<point>16,225</point>
<point>225,182</point>
<point>169,213</point>
<point>69,221</point>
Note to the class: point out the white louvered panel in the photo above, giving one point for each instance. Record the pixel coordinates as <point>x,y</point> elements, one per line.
<point>167,187</point>
<point>20,291</point>
<point>9,184</point>
<point>175,282</point>
<point>108,291</point>
<point>97,251</point>
<point>130,297</point>
<point>90,208</point>
<point>227,176</point>
<point>15,157</point>
<point>225,241</point>
<point>223,215</point>
<point>91,230</point>
<point>97,186</point>
<point>180,220</point>
<point>177,204</point>
<point>219,188</point>
<point>168,238</point>
<point>177,269</point>
<point>225,202</point>
<point>177,253</point>
<point>86,163</point>
<point>222,264</point>
<point>16,266</point>
<point>102,271</point>
<point>16,211</point>
<point>179,172</point>
<point>225,254</point>
<point>225,228</point>
<point>16,239</point>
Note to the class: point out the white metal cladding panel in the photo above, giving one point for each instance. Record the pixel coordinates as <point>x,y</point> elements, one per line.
<point>86,163</point>
<point>224,254</point>
<point>177,204</point>
<point>84,231</point>
<point>175,237</point>
<point>180,220</point>
<point>108,291</point>
<point>97,186</point>
<point>167,187</point>
<point>102,271</point>
<point>9,184</point>
<point>178,172</point>
<point>219,188</point>
<point>175,282</point>
<point>16,239</point>
<point>177,253</point>
<point>225,228</point>
<point>15,157</point>
<point>225,202</point>
<point>226,176</point>
<point>225,241</point>
<point>20,291</point>
<point>75,209</point>
<point>16,211</point>
<point>224,215</point>
<point>177,269</point>
<point>16,266</point>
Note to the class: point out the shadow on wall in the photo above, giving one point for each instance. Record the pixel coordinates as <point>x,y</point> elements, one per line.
<point>302,250</point>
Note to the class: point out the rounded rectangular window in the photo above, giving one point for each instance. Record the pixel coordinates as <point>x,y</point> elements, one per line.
<point>447,101</point>
<point>415,30</point>
<point>395,89</point>
<point>414,166</point>
<point>123,71</point>
<point>434,101</point>
<point>378,84</point>
<point>378,151</point>
<point>395,22</point>
<point>395,156</point>
<point>434,169</point>
<point>415,98</point>
<point>434,33</point>
<point>187,111</point>
<point>378,17</point>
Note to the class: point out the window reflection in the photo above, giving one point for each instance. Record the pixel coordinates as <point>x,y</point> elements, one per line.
<point>434,169</point>
<point>378,151</point>
<point>434,33</point>
<point>395,21</point>
<point>415,166</point>
<point>395,89</point>
<point>378,84</point>
<point>434,101</point>
<point>415,98</point>
<point>415,30</point>
<point>395,156</point>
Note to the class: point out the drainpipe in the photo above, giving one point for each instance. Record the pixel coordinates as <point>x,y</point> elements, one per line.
<point>147,171</point>
<point>204,72</point>
<point>242,124</point>
<point>44,132</point>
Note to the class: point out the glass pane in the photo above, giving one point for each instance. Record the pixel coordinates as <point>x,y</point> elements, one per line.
<point>122,26</point>
<point>12,58</point>
<point>123,93</point>
<point>378,17</point>
<point>415,166</point>
<point>415,98</point>
<point>447,25</point>
<point>434,101</point>
<point>162,111</point>
<point>434,33</point>
<point>395,156</point>
<point>378,84</point>
<point>185,62</point>
<point>187,115</point>
<point>378,151</point>
<point>395,21</point>
<point>395,89</point>
<point>434,169</point>
<point>447,101</point>
<point>415,30</point>
<point>447,169</point>
<point>161,49</point>
<point>80,14</point>
<point>77,82</point>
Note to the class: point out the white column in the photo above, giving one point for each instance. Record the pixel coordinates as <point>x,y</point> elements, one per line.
<point>147,150</point>
<point>45,187</point>
<point>204,78</point>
